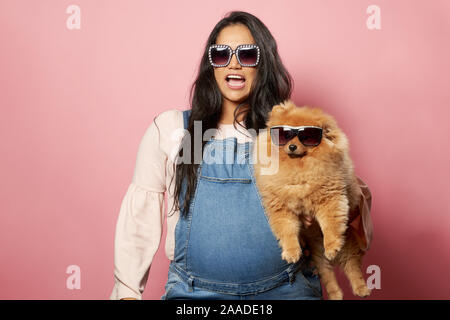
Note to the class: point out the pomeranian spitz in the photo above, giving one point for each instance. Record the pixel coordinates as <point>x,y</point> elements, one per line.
<point>314,177</point>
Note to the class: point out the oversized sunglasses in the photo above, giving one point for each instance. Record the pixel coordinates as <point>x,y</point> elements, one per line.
<point>220,55</point>
<point>309,136</point>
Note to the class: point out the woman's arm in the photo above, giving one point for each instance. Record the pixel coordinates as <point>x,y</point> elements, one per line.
<point>140,221</point>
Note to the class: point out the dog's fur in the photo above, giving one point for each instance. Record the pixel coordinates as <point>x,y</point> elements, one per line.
<point>316,181</point>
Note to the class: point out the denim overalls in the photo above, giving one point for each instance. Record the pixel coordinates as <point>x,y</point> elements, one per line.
<point>224,248</point>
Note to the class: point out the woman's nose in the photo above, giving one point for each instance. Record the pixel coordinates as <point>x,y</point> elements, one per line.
<point>234,62</point>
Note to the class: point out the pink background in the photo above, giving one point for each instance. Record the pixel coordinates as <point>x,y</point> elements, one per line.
<point>75,104</point>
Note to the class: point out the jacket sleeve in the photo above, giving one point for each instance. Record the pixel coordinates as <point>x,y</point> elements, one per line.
<point>141,217</point>
<point>362,224</point>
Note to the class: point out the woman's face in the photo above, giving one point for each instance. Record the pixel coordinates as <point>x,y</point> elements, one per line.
<point>233,36</point>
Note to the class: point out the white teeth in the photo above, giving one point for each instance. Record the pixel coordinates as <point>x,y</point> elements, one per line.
<point>235,76</point>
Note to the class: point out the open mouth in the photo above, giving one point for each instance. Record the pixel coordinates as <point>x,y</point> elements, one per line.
<point>235,80</point>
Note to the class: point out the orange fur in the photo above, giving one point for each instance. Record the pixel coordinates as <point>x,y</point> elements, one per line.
<point>321,184</point>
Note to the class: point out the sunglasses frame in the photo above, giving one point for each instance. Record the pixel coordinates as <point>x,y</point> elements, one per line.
<point>235,52</point>
<point>296,130</point>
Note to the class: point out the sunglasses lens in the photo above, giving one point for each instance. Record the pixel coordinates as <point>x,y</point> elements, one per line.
<point>310,136</point>
<point>220,56</point>
<point>248,55</point>
<point>281,136</point>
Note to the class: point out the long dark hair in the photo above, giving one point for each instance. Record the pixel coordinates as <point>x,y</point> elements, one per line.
<point>272,85</point>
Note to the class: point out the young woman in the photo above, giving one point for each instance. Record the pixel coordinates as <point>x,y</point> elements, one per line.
<point>218,238</point>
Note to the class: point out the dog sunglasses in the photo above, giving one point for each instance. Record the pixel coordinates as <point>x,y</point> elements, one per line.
<point>220,55</point>
<point>309,136</point>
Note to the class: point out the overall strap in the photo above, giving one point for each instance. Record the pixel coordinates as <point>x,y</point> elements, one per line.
<point>186,115</point>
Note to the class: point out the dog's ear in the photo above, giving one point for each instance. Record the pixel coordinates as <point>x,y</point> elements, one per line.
<point>284,106</point>
<point>329,131</point>
<point>333,134</point>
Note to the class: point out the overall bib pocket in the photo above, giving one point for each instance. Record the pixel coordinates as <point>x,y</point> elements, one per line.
<point>230,240</point>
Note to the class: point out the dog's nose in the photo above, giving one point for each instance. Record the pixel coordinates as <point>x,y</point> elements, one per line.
<point>292,147</point>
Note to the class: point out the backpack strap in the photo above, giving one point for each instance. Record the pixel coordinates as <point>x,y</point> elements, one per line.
<point>186,115</point>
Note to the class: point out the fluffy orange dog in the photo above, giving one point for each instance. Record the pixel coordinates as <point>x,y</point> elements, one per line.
<point>318,181</point>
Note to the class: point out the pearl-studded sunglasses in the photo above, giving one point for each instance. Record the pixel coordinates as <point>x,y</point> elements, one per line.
<point>309,136</point>
<point>220,55</point>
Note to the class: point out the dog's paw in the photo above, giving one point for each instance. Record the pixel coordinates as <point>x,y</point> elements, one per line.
<point>335,295</point>
<point>292,254</point>
<point>362,291</point>
<point>332,247</point>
